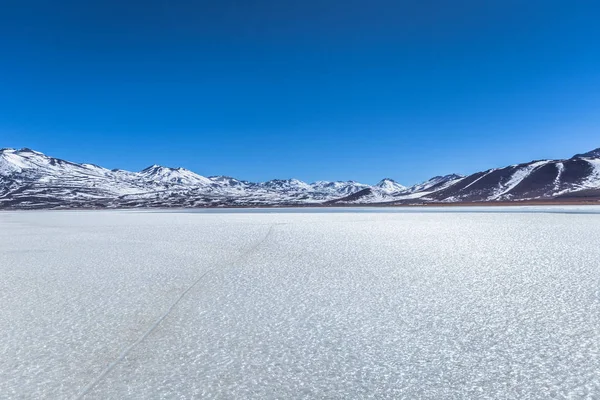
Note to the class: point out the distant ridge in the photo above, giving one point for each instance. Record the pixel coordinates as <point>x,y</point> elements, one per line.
<point>32,180</point>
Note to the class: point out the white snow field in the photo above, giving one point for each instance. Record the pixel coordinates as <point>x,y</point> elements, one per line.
<point>343,304</point>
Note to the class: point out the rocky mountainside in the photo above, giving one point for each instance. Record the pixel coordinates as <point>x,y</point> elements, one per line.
<point>545,179</point>
<point>30,179</point>
<point>576,177</point>
<point>390,186</point>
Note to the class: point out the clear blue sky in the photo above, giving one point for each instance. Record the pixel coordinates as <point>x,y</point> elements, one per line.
<point>309,89</point>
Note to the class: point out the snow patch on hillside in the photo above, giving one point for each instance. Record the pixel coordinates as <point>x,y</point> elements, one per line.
<point>516,178</point>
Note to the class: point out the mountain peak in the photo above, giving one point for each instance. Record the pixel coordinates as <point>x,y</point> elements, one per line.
<point>19,151</point>
<point>389,186</point>
<point>159,173</point>
<point>447,177</point>
<point>155,167</point>
<point>590,154</point>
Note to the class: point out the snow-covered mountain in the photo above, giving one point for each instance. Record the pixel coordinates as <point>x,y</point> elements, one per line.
<point>27,173</point>
<point>287,185</point>
<point>570,179</point>
<point>338,188</point>
<point>30,179</point>
<point>390,186</point>
<point>180,176</point>
<point>578,176</point>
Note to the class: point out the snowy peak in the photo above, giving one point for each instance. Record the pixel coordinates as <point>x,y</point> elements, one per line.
<point>182,176</point>
<point>390,186</point>
<point>436,180</point>
<point>10,162</point>
<point>228,181</point>
<point>435,183</point>
<point>35,163</point>
<point>449,177</point>
<point>24,150</point>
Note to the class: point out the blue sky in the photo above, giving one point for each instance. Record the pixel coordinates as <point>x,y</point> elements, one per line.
<point>315,89</point>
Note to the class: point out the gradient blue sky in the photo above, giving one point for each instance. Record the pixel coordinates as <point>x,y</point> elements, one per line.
<point>309,89</point>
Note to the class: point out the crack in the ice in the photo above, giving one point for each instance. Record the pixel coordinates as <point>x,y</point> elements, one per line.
<point>151,329</point>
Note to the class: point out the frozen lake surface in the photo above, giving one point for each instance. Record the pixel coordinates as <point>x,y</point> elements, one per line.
<point>425,303</point>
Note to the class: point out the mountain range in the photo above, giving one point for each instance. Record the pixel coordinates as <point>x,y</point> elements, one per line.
<point>32,180</point>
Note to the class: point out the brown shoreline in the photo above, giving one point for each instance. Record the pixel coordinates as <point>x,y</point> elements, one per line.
<point>512,203</point>
<point>552,202</point>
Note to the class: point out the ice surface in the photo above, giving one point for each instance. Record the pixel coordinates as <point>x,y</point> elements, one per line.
<point>444,304</point>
